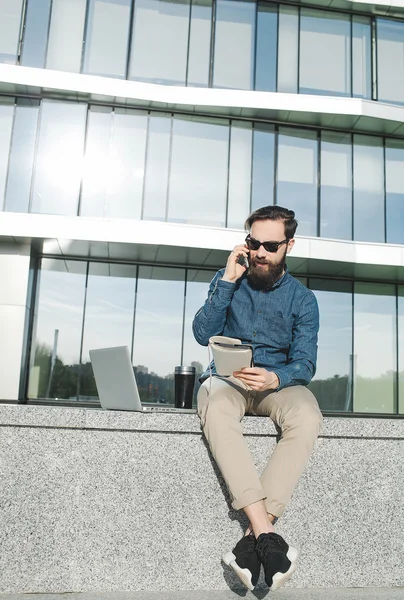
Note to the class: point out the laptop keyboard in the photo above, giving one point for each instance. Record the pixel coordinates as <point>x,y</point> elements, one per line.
<point>167,409</point>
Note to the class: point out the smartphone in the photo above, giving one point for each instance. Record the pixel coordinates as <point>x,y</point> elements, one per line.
<point>243,260</point>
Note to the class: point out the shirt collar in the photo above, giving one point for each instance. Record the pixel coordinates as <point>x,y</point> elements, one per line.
<point>281,279</point>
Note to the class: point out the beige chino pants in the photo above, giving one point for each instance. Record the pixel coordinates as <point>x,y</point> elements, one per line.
<point>294,410</point>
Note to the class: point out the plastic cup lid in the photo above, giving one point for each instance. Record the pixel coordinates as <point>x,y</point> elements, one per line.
<point>182,370</point>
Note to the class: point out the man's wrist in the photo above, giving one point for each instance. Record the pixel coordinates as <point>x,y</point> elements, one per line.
<point>278,381</point>
<point>275,383</point>
<point>228,280</point>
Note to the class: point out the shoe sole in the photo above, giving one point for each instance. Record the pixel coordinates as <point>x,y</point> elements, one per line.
<point>244,575</point>
<point>280,578</point>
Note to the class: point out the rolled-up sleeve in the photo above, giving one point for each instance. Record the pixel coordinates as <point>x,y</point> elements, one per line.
<point>211,318</point>
<point>302,359</point>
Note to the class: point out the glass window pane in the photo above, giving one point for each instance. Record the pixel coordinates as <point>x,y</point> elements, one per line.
<point>199,43</point>
<point>401,349</point>
<point>109,315</point>
<point>239,174</point>
<point>158,331</point>
<point>262,192</point>
<point>66,35</point>
<point>297,176</point>
<point>126,164</point>
<point>156,177</point>
<point>374,348</point>
<point>267,42</point>
<point>194,354</point>
<point>56,343</point>
<point>198,177</point>
<point>234,45</point>
<point>361,57</point>
<point>107,20</point>
<point>325,53</point>
<point>114,163</point>
<point>332,384</point>
<point>288,48</point>
<point>59,158</point>
<point>336,185</point>
<point>6,126</point>
<point>160,41</point>
<point>10,21</point>
<point>368,189</point>
<point>95,172</point>
<point>390,60</point>
<point>22,156</point>
<point>395,191</point>
<point>36,33</point>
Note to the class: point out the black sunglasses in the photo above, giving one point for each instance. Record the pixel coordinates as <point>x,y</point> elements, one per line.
<point>253,244</point>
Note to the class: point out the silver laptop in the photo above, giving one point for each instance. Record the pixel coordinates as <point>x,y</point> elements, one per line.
<point>116,383</point>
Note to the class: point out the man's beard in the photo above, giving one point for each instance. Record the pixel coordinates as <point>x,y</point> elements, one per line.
<point>264,278</point>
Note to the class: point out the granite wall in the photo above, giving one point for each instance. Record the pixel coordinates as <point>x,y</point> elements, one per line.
<point>92,501</point>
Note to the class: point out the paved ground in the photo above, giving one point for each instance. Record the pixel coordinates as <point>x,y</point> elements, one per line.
<point>284,594</point>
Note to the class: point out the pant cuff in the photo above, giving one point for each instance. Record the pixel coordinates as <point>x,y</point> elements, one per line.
<point>274,508</point>
<point>249,497</point>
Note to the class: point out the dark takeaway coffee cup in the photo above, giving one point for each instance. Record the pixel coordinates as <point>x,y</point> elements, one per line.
<point>184,381</point>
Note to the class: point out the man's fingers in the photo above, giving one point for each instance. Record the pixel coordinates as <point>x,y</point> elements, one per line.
<point>239,251</point>
<point>252,386</point>
<point>250,372</point>
<point>252,378</point>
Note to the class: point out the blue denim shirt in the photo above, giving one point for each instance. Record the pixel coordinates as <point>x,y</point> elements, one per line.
<point>281,324</point>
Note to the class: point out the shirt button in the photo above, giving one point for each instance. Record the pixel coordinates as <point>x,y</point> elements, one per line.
<point>259,312</point>
<point>254,333</point>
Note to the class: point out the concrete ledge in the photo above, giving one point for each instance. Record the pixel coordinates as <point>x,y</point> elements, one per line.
<point>195,246</point>
<point>298,109</point>
<point>95,501</point>
<point>94,418</point>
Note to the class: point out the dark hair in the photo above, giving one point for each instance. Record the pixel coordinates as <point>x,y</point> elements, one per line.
<point>274,213</point>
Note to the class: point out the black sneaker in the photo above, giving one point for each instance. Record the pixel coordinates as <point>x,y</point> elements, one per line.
<point>244,561</point>
<point>278,559</point>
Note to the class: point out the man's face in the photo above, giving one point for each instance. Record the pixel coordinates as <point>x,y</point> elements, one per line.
<point>267,267</point>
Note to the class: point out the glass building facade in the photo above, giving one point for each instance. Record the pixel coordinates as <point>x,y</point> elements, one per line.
<point>150,310</point>
<point>95,159</point>
<point>237,44</point>
<point>67,158</point>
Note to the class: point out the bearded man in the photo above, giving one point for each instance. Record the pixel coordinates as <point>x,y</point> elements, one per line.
<point>260,303</point>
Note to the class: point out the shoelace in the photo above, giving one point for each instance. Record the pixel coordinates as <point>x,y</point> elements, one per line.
<point>269,545</point>
<point>250,547</point>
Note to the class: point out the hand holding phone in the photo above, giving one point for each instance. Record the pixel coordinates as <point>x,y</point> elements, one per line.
<point>237,263</point>
<point>243,260</point>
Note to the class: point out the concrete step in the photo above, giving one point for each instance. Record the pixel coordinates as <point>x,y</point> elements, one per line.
<point>283,594</point>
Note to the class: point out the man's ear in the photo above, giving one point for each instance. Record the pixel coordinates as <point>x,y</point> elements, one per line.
<point>290,245</point>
